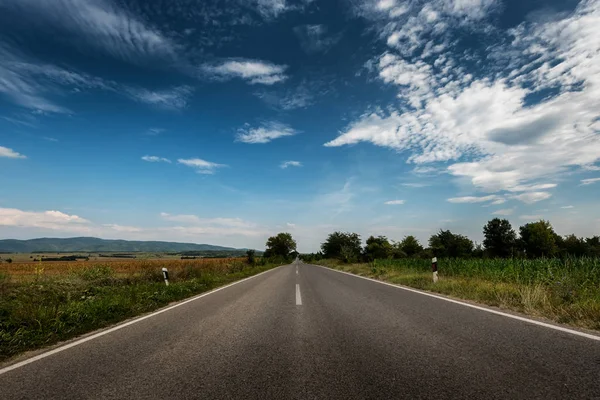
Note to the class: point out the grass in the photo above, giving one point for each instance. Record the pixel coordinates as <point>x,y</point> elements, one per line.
<point>564,291</point>
<point>42,304</point>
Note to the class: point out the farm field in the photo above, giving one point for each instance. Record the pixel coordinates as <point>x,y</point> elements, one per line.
<point>42,303</point>
<point>561,290</point>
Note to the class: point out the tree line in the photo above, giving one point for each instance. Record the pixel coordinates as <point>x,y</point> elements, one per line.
<point>534,240</point>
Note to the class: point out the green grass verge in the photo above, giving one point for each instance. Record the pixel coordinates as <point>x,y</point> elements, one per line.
<point>52,309</point>
<point>566,300</point>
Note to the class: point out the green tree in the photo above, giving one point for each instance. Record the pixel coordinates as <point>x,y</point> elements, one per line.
<point>448,244</point>
<point>499,238</point>
<point>280,246</point>
<point>410,246</point>
<point>378,248</point>
<point>338,241</point>
<point>250,256</point>
<point>593,245</point>
<point>574,246</point>
<point>538,239</point>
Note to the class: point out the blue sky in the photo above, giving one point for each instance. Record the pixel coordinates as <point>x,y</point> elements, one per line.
<point>225,122</point>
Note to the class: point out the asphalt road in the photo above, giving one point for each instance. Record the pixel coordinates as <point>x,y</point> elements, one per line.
<point>317,334</point>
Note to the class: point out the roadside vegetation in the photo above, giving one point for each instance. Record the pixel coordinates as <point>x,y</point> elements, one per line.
<point>42,303</point>
<point>536,272</point>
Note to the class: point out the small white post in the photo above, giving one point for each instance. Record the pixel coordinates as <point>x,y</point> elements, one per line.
<point>434,269</point>
<point>166,276</point>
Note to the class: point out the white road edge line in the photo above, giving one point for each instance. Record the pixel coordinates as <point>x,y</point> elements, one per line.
<point>298,297</point>
<point>531,321</point>
<point>116,328</point>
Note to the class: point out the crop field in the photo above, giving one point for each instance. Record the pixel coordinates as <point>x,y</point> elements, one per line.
<point>24,271</point>
<point>42,303</point>
<point>562,290</point>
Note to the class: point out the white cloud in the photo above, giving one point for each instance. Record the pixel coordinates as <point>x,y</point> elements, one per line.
<point>448,115</point>
<point>395,202</point>
<point>10,153</point>
<point>156,159</point>
<point>533,197</point>
<point>42,219</point>
<point>253,71</point>
<point>95,24</point>
<point>264,134</point>
<point>506,211</point>
<point>589,181</point>
<point>286,164</point>
<point>531,217</point>
<point>201,166</point>
<point>567,207</point>
<point>315,38</point>
<point>290,225</point>
<point>473,199</point>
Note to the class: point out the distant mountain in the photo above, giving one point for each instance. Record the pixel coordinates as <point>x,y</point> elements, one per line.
<point>93,245</point>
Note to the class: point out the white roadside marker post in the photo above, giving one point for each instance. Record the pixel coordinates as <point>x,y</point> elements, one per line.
<point>434,269</point>
<point>166,276</point>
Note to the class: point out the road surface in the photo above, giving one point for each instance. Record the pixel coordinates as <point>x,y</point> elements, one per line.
<point>306,332</point>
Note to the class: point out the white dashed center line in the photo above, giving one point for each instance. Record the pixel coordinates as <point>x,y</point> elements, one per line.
<point>298,296</point>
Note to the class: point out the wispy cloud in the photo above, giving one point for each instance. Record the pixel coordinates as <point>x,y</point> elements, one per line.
<point>96,25</point>
<point>589,181</point>
<point>506,211</point>
<point>155,131</point>
<point>156,159</point>
<point>253,71</point>
<point>287,164</point>
<point>34,85</point>
<point>533,197</point>
<point>300,96</point>
<point>195,220</point>
<point>201,166</point>
<point>567,207</point>
<point>395,202</point>
<point>531,217</point>
<point>315,38</point>
<point>173,99</point>
<point>123,228</point>
<point>10,153</point>
<point>424,170</point>
<point>22,120</point>
<point>473,199</point>
<point>415,185</point>
<point>265,133</point>
<point>270,9</point>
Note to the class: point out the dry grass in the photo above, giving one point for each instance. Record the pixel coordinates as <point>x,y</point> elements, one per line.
<point>42,303</point>
<point>30,270</point>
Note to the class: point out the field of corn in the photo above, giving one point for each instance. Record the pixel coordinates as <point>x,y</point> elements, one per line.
<point>42,303</point>
<point>562,290</point>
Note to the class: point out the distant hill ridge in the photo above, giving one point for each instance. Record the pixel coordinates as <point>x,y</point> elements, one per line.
<point>92,244</point>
